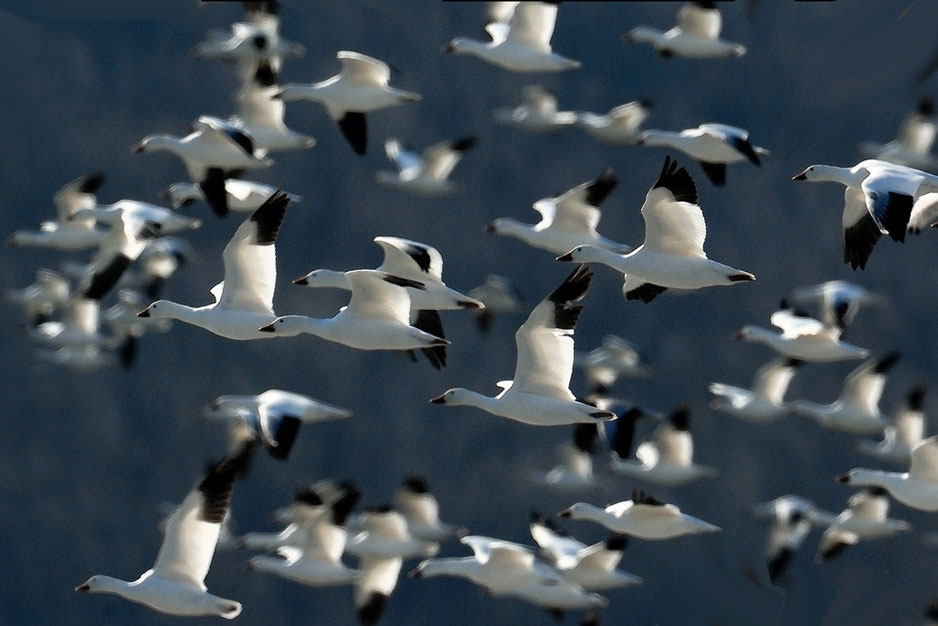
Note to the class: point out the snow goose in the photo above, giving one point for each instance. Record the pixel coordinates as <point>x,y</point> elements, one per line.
<point>381,546</point>
<point>667,458</point>
<point>537,113</point>
<point>424,174</point>
<point>696,36</point>
<point>839,300</point>
<point>244,299</point>
<point>241,195</point>
<point>865,518</point>
<point>914,140</point>
<point>498,295</point>
<point>176,583</point>
<point>802,337</point>
<point>765,401</point>
<point>878,200</point>
<point>414,261</point>
<point>620,125</point>
<point>156,264</point>
<point>80,327</point>
<point>312,553</point>
<point>360,87</point>
<point>48,293</point>
<point>501,567</point>
<point>672,255</point>
<point>713,146</point>
<point>521,45</point>
<point>643,516</point>
<point>856,410</point>
<point>567,221</point>
<point>422,511</point>
<point>792,517</point>
<point>127,327</point>
<point>592,567</point>
<point>905,432</point>
<point>614,358</point>
<point>67,232</point>
<point>917,488</point>
<point>575,469</point>
<point>540,392</point>
<point>214,151</point>
<point>260,115</point>
<point>377,317</point>
<point>274,417</point>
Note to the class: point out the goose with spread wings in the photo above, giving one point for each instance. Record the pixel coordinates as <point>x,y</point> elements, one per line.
<point>672,255</point>
<point>540,392</point>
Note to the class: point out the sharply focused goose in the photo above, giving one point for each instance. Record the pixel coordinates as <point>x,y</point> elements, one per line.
<point>567,221</point>
<point>906,431</point>
<point>917,488</point>
<point>865,518</point>
<point>620,125</point>
<point>667,458</point>
<point>878,200</point>
<point>914,140</point>
<point>540,392</point>
<point>521,45</point>
<point>672,255</point>
<point>241,195</point>
<point>765,401</point>
<point>802,337</point>
<point>176,583</point>
<point>377,317</point>
<point>422,511</point>
<point>856,411</point>
<point>360,87</point>
<point>425,174</point>
<point>592,567</point>
<point>214,151</point>
<point>713,146</point>
<point>244,299</point>
<point>643,516</point>
<point>537,113</point>
<point>274,417</point>
<point>696,36</point>
<point>67,232</point>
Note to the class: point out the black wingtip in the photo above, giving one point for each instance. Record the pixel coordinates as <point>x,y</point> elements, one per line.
<point>617,542</point>
<point>370,612</point>
<point>574,286</point>
<point>417,484</point>
<point>355,131</point>
<point>916,397</point>
<point>646,292</point>
<point>603,185</point>
<point>859,240</point>
<point>464,143</point>
<point>91,183</point>
<point>585,436</point>
<point>885,363</point>
<point>641,497</point>
<point>680,418</point>
<point>716,172</point>
<point>213,190</point>
<point>678,181</point>
<point>895,218</point>
<point>285,436</point>
<point>925,106</point>
<point>269,217</point>
<point>218,483</point>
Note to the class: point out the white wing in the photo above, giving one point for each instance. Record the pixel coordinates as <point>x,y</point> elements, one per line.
<point>671,226</point>
<point>793,325</point>
<point>360,68</point>
<point>924,464</point>
<point>250,260</point>
<point>405,257</point>
<point>374,298</point>
<point>188,544</point>
<point>545,355</point>
<point>695,20</point>
<point>409,163</point>
<point>532,24</point>
<point>772,379</point>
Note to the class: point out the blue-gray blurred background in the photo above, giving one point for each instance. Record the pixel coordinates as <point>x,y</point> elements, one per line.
<point>86,458</point>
